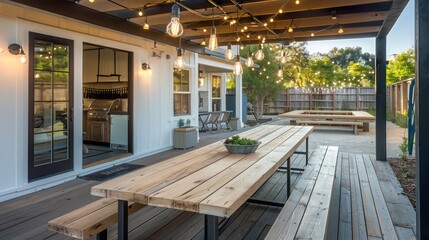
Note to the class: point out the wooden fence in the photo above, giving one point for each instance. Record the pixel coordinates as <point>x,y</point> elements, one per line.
<point>397,98</point>
<point>322,98</point>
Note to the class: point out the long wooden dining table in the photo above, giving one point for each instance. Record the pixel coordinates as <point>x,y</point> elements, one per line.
<point>207,180</point>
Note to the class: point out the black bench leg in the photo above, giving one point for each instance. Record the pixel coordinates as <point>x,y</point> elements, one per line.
<point>306,151</point>
<point>288,178</point>
<point>211,228</point>
<point>102,235</point>
<point>122,220</point>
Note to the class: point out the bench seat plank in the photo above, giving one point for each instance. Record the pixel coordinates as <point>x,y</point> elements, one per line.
<point>330,123</point>
<point>91,219</point>
<point>305,214</point>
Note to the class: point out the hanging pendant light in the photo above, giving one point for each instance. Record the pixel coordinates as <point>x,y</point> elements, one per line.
<point>213,39</point>
<point>229,54</point>
<point>180,62</point>
<point>238,69</point>
<point>280,72</point>
<point>175,28</point>
<point>249,61</point>
<point>259,54</point>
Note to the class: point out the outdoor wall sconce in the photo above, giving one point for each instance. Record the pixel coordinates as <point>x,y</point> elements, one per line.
<point>16,49</point>
<point>145,66</point>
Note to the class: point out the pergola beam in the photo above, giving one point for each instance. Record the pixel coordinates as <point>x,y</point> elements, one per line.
<point>303,39</point>
<point>422,117</point>
<point>394,13</point>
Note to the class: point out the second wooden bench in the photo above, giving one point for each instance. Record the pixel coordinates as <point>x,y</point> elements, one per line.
<point>305,214</point>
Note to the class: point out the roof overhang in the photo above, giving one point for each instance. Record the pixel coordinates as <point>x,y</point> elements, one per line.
<point>358,18</point>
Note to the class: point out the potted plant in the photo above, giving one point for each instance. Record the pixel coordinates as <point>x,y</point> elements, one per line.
<point>238,145</point>
<point>185,136</point>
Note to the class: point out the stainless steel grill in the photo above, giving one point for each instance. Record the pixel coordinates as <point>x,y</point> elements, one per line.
<point>99,120</point>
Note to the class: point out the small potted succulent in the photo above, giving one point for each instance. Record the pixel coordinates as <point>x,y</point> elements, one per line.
<point>238,145</point>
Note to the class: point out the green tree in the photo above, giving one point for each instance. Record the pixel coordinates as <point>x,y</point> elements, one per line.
<point>401,68</point>
<point>261,82</point>
<point>343,56</point>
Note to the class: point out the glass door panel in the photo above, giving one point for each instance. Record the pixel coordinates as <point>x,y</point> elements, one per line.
<point>50,141</point>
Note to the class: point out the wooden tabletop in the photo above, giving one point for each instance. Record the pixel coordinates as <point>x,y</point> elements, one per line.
<point>323,114</point>
<point>209,180</point>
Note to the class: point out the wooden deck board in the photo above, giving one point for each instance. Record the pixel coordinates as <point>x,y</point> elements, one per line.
<point>27,217</point>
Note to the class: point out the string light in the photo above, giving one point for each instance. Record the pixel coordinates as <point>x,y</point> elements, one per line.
<point>249,61</point>
<point>203,43</point>
<point>259,37</point>
<point>238,39</point>
<point>280,72</point>
<point>248,35</point>
<point>265,24</point>
<point>213,39</point>
<point>91,1</point>
<point>225,18</point>
<point>175,28</point>
<point>290,29</point>
<point>238,69</point>
<point>146,26</point>
<point>259,54</point>
<point>297,2</point>
<point>340,30</point>
<point>271,19</point>
<point>280,10</point>
<point>312,34</point>
<point>242,30</point>
<point>140,13</point>
<point>245,27</point>
<point>229,54</point>
<point>241,47</point>
<point>204,30</point>
<point>180,62</point>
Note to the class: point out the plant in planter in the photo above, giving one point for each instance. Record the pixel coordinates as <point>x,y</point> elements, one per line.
<point>183,124</point>
<point>238,145</point>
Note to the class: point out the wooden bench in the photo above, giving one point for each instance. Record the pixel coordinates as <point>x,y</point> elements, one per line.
<point>305,214</point>
<point>355,125</point>
<point>90,220</point>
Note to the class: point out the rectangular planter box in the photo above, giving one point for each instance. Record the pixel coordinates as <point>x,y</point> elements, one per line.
<point>184,138</point>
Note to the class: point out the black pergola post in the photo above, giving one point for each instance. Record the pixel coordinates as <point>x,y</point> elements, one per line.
<point>422,117</point>
<point>380,98</point>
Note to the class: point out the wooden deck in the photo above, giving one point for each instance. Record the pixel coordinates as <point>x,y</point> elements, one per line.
<point>367,204</point>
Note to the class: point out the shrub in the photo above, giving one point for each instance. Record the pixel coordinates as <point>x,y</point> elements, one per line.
<point>404,148</point>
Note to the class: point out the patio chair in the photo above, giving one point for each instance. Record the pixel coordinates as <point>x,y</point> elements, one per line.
<point>212,118</point>
<point>225,118</point>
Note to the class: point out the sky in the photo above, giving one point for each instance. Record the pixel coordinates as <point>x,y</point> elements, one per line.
<point>400,38</point>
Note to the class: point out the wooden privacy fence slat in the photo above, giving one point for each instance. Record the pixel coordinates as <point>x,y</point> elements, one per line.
<point>397,98</point>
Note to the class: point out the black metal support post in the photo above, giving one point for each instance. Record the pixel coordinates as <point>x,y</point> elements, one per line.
<point>422,117</point>
<point>288,178</point>
<point>102,235</point>
<point>265,202</point>
<point>380,98</point>
<point>306,151</point>
<point>211,229</point>
<point>122,220</point>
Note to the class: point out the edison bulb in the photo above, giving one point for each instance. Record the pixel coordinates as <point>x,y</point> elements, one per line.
<point>238,69</point>
<point>280,73</point>
<point>175,28</point>
<point>213,39</point>
<point>229,54</point>
<point>259,54</point>
<point>23,59</point>
<point>249,62</point>
<point>180,62</point>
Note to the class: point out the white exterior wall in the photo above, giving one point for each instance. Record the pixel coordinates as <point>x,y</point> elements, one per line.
<point>153,94</point>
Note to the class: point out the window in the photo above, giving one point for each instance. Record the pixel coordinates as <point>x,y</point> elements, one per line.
<point>182,94</point>
<point>216,99</point>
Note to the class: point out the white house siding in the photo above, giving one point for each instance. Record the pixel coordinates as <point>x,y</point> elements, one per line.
<point>153,93</point>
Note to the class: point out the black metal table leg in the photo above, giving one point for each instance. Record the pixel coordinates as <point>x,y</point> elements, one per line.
<point>211,227</point>
<point>288,178</point>
<point>306,151</point>
<point>122,220</point>
<point>102,235</point>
